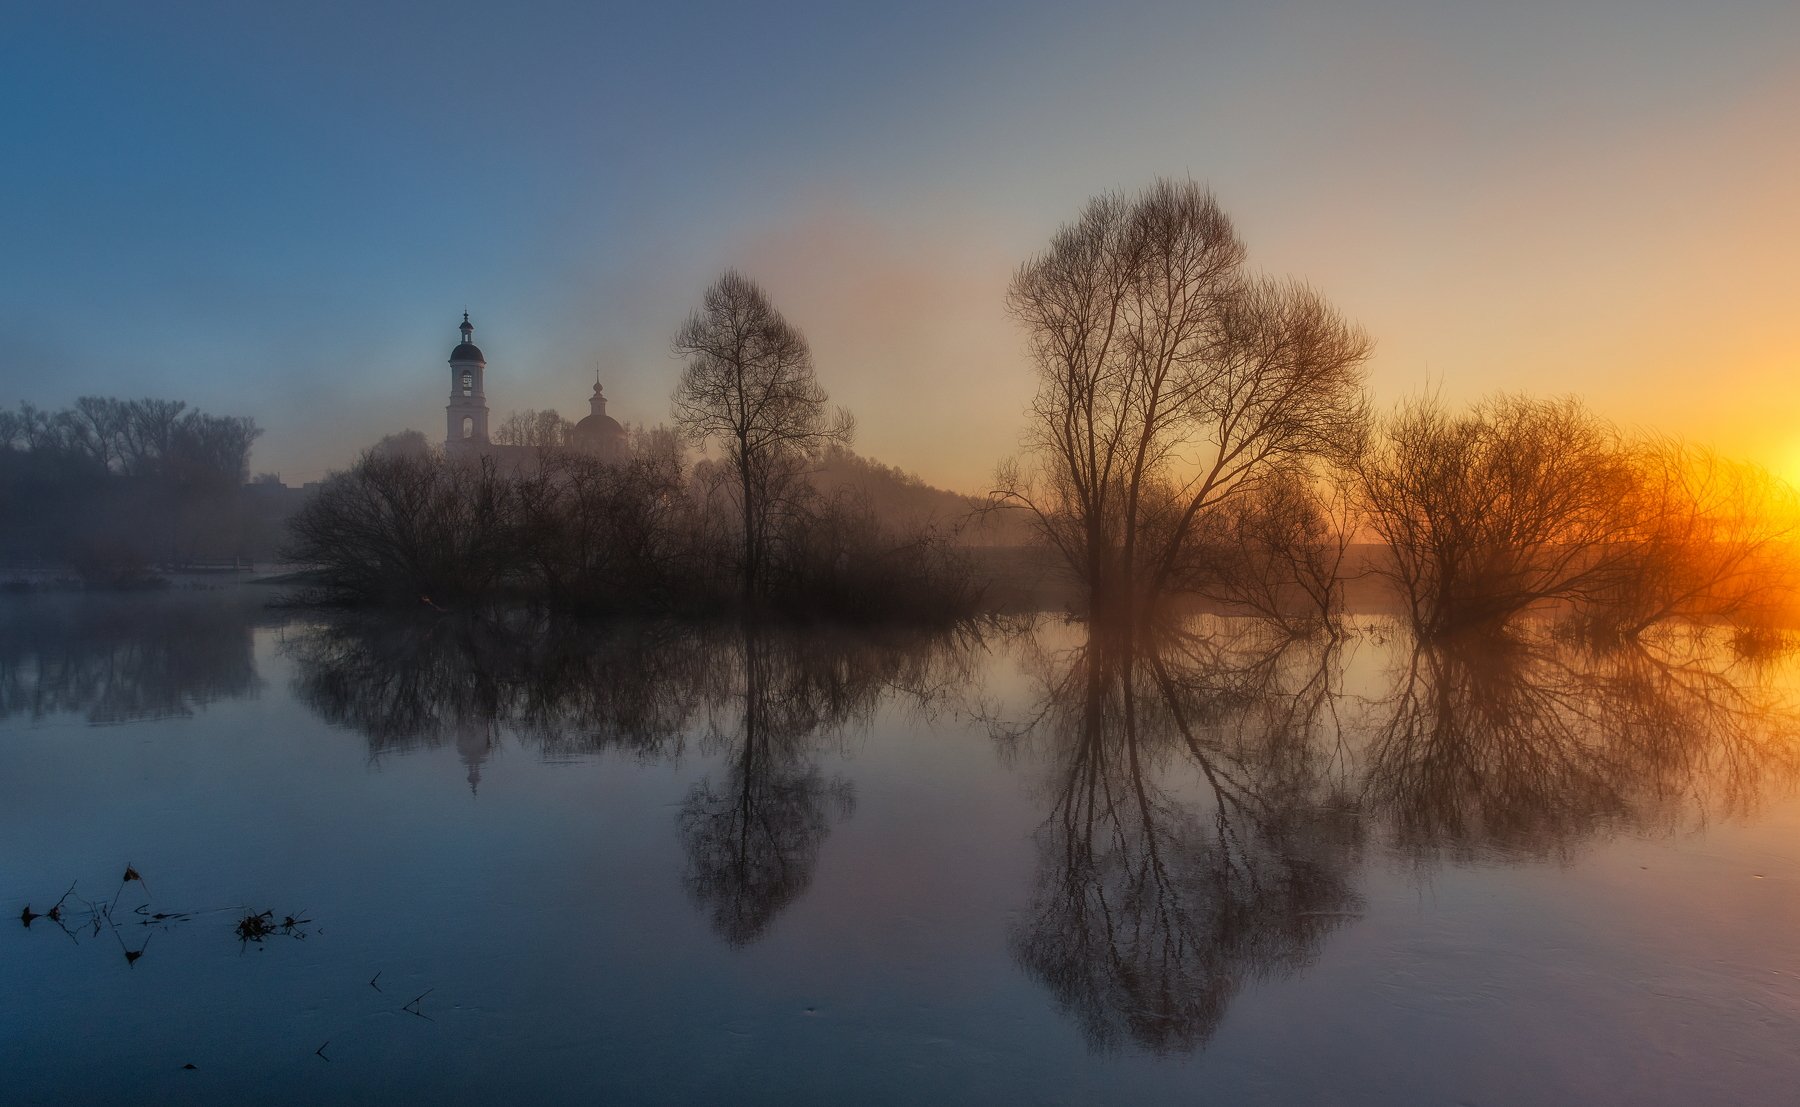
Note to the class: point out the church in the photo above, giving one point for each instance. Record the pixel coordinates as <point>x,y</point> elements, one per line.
<point>466,415</point>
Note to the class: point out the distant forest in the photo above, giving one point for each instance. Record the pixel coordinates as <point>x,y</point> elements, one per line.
<point>112,489</point>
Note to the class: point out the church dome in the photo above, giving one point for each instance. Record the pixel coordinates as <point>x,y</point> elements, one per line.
<point>598,426</point>
<point>466,350</point>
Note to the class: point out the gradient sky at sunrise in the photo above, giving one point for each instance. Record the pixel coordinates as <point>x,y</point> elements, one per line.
<point>282,210</point>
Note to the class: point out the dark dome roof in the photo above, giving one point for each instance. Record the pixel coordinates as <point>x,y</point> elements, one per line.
<point>596,425</point>
<point>467,351</point>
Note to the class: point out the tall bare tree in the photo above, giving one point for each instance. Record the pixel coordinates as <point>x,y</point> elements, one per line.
<point>1168,381</point>
<point>749,389</point>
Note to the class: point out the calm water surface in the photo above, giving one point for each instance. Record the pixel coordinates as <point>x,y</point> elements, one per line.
<point>666,864</point>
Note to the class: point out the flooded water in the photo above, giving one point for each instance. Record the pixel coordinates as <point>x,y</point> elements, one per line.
<point>654,863</point>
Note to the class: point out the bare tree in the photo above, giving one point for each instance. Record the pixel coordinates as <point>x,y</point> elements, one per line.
<point>12,430</point>
<point>1487,513</point>
<point>1280,550</point>
<point>534,428</point>
<point>1168,381</point>
<point>409,529</point>
<point>749,389</point>
<point>1707,538</point>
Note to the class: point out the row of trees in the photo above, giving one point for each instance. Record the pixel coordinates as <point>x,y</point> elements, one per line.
<point>1199,430</point>
<point>112,486</point>
<point>148,438</point>
<point>573,532</point>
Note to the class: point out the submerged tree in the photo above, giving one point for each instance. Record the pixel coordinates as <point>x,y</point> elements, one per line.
<point>1518,503</point>
<point>749,389</point>
<point>1168,381</point>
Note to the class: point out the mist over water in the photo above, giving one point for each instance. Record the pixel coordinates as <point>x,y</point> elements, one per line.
<point>659,861</point>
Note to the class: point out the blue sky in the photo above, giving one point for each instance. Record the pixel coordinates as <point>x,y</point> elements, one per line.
<point>281,210</point>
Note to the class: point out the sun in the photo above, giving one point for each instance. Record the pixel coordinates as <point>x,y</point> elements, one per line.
<point>1787,465</point>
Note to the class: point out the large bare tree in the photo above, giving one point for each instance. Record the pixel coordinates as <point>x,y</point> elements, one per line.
<point>749,389</point>
<point>1168,381</point>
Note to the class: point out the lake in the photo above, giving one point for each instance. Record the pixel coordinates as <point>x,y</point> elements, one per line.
<point>528,860</point>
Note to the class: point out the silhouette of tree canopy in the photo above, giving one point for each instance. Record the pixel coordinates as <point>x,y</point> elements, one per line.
<point>748,387</point>
<point>1168,381</point>
<point>1519,502</point>
<point>1280,550</point>
<point>1707,539</point>
<point>1485,513</point>
<point>574,533</point>
<point>535,428</point>
<point>109,486</point>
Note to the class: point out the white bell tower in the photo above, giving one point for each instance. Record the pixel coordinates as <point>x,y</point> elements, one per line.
<point>466,415</point>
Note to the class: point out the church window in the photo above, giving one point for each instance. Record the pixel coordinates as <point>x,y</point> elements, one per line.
<point>468,383</point>
<point>468,427</point>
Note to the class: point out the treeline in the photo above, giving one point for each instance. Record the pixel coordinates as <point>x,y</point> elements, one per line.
<point>1200,430</point>
<point>112,488</point>
<point>650,534</point>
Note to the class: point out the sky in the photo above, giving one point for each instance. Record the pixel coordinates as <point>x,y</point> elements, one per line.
<point>282,210</point>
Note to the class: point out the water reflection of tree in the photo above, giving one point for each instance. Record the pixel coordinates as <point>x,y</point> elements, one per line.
<point>566,687</point>
<point>753,839</point>
<point>140,657</point>
<point>1207,799</point>
<point>1194,840</point>
<point>1530,745</point>
<point>766,698</point>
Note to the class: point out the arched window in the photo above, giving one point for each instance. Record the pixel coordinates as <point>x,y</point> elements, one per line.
<point>468,427</point>
<point>468,383</point>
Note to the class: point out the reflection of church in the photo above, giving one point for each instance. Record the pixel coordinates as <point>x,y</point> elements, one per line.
<point>475,740</point>
<point>466,415</point>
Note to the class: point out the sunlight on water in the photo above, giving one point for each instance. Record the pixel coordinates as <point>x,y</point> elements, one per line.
<point>658,862</point>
